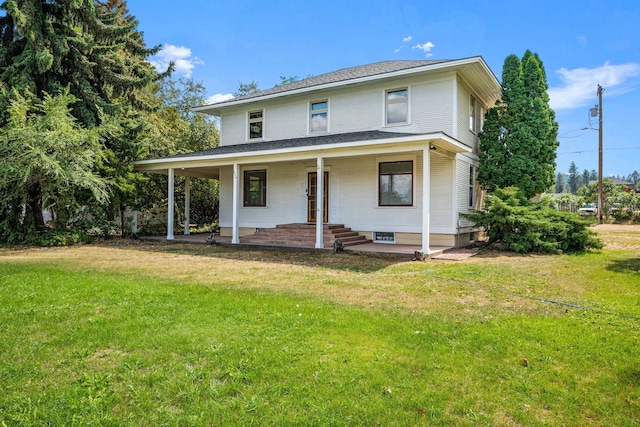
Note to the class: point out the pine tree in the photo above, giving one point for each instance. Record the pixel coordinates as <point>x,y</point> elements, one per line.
<point>585,177</point>
<point>519,139</point>
<point>574,178</point>
<point>560,185</point>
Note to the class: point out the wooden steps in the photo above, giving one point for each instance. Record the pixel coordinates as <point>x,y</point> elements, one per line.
<point>305,235</point>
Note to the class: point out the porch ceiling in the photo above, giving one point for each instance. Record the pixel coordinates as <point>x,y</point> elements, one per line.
<point>205,164</point>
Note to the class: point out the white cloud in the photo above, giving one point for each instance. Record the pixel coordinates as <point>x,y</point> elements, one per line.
<point>580,84</point>
<point>218,97</point>
<point>426,48</point>
<point>181,57</point>
<point>407,39</point>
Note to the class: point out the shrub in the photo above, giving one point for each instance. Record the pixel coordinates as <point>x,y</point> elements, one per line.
<point>514,223</point>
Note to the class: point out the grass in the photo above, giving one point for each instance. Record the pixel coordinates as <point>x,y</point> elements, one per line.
<point>141,334</point>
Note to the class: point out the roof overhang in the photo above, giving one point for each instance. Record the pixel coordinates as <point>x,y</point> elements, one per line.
<point>206,165</point>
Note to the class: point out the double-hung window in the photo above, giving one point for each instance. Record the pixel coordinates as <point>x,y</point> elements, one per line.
<point>319,116</point>
<point>397,106</point>
<point>475,115</point>
<point>255,188</point>
<point>255,124</point>
<point>395,186</point>
<point>472,186</point>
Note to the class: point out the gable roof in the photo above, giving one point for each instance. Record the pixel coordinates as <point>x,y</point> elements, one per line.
<point>473,68</point>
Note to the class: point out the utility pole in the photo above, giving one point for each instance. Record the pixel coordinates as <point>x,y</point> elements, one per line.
<point>600,191</point>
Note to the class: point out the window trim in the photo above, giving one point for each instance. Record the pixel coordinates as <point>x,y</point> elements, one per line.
<point>245,188</point>
<point>317,112</point>
<point>255,120</point>
<point>387,101</point>
<point>413,182</point>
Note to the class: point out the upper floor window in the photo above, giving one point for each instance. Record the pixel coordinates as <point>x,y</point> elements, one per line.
<point>255,188</point>
<point>472,186</point>
<point>255,124</point>
<point>397,106</point>
<point>319,116</point>
<point>395,184</point>
<point>475,115</point>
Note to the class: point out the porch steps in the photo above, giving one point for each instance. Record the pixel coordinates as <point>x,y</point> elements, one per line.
<point>305,235</point>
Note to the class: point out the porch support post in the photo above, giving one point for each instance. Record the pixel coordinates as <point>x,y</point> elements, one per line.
<point>170,212</point>
<point>319,203</point>
<point>426,199</point>
<point>235,232</point>
<point>187,204</point>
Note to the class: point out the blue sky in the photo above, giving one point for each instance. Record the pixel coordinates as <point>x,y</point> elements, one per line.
<point>582,44</point>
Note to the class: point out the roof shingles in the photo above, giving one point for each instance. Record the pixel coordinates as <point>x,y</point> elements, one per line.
<point>342,75</point>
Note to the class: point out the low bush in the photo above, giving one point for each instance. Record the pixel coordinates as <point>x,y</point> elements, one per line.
<point>514,223</point>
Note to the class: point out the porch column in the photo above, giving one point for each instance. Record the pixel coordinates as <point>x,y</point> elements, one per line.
<point>426,199</point>
<point>170,212</point>
<point>319,203</point>
<point>235,235</point>
<point>187,204</point>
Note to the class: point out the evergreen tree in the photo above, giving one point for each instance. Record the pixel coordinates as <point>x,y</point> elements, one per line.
<point>519,139</point>
<point>560,185</point>
<point>585,177</point>
<point>93,50</point>
<point>574,178</point>
<point>635,177</point>
<point>593,175</point>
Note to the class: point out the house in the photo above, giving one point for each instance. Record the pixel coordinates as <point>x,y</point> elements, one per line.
<point>392,147</point>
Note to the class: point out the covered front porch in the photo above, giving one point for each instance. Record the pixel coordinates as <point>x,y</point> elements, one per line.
<point>346,169</point>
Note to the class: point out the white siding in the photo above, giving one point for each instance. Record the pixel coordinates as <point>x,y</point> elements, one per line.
<point>352,109</point>
<point>465,135</point>
<point>286,121</point>
<point>441,193</point>
<point>432,107</point>
<point>233,129</point>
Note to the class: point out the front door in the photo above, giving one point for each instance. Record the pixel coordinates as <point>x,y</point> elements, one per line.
<point>312,191</point>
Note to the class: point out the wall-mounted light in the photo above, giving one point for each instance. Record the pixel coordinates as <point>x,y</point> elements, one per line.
<point>432,147</point>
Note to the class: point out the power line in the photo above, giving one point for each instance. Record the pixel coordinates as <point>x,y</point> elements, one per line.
<point>605,149</point>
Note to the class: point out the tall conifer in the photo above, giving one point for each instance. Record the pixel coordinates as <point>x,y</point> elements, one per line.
<point>518,141</point>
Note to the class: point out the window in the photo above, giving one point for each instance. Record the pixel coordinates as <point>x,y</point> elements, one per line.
<point>255,124</point>
<point>395,184</point>
<point>384,237</point>
<point>397,108</point>
<point>472,186</point>
<point>255,188</point>
<point>476,118</point>
<point>318,120</point>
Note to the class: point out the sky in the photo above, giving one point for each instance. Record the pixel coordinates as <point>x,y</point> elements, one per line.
<point>581,43</point>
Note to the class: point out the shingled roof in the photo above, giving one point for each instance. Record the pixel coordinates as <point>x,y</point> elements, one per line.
<point>293,143</point>
<point>342,75</point>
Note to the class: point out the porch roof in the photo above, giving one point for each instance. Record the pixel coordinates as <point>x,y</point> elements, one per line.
<point>198,163</point>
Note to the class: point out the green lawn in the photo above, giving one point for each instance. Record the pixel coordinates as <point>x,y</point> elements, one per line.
<point>140,334</point>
